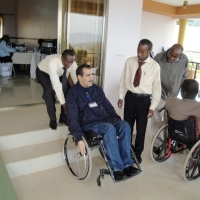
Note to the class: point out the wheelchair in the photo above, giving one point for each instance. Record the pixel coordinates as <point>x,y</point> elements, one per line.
<point>177,136</point>
<point>80,166</point>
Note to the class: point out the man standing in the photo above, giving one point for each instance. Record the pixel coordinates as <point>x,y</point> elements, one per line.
<point>141,79</point>
<point>52,74</point>
<point>174,70</point>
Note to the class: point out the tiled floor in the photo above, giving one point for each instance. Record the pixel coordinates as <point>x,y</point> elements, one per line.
<point>19,90</point>
<point>157,181</point>
<point>21,120</point>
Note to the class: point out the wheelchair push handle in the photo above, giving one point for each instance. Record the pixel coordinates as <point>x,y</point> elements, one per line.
<point>161,109</point>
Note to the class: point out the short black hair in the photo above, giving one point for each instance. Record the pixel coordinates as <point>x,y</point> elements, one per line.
<point>5,37</point>
<point>40,41</point>
<point>190,87</point>
<point>68,52</point>
<point>178,46</point>
<point>79,70</point>
<point>146,42</point>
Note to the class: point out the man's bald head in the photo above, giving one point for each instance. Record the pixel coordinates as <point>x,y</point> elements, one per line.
<point>175,52</point>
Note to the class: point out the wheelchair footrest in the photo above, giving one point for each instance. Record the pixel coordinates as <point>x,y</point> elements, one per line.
<point>128,177</point>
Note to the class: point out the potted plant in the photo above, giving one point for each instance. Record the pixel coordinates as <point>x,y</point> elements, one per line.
<point>191,69</point>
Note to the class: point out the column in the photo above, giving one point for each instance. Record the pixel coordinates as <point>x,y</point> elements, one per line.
<point>182,29</point>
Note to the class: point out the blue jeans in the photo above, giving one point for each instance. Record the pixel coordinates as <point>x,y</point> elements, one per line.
<point>117,149</point>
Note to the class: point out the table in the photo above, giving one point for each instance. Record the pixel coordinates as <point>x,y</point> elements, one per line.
<point>36,58</point>
<point>22,58</point>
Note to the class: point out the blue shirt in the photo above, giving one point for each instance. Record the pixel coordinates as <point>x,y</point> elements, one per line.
<point>80,114</point>
<point>5,49</point>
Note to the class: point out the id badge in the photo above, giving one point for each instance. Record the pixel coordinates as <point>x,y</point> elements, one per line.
<point>93,104</point>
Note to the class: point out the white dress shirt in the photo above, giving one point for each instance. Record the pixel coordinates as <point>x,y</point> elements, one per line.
<point>53,66</point>
<point>149,81</point>
<point>5,49</point>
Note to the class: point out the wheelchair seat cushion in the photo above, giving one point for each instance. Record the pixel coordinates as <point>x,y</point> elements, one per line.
<point>183,131</point>
<point>91,138</point>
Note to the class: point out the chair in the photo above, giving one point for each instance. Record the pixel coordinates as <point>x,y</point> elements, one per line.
<point>81,166</point>
<point>177,136</point>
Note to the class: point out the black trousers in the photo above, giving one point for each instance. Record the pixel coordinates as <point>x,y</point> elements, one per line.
<point>136,110</point>
<point>6,59</point>
<point>49,93</point>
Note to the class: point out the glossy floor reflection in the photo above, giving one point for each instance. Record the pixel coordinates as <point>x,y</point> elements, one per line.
<point>19,90</point>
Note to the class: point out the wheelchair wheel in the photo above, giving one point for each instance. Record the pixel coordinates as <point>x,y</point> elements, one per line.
<point>159,145</point>
<point>79,166</point>
<point>191,169</point>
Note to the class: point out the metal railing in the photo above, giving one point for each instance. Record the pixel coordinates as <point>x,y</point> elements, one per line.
<point>197,66</point>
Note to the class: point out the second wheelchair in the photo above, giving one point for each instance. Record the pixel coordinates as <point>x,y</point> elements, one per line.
<point>177,136</point>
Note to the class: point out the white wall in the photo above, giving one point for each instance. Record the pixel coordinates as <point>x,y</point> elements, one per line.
<point>161,30</point>
<point>36,19</point>
<point>8,7</point>
<point>123,35</point>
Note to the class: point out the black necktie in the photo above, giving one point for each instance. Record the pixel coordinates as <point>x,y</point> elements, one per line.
<point>64,81</point>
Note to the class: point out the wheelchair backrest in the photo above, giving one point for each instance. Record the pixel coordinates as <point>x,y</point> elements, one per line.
<point>185,132</point>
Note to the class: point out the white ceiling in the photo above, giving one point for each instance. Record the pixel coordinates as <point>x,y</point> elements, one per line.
<point>178,2</point>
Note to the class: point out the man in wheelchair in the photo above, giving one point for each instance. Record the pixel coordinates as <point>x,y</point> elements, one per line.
<point>89,110</point>
<point>182,109</point>
<point>181,132</point>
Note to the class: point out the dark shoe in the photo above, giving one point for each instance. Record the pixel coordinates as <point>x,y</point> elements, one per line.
<point>63,120</point>
<point>119,175</point>
<point>139,158</point>
<point>53,124</point>
<point>130,171</point>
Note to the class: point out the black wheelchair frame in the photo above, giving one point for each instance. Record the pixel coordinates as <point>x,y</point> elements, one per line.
<point>177,136</point>
<point>92,141</point>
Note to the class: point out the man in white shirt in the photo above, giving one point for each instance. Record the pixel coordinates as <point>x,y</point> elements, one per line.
<point>5,50</point>
<point>52,74</point>
<point>140,81</point>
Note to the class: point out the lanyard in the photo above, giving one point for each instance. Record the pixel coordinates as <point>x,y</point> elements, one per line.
<point>88,94</point>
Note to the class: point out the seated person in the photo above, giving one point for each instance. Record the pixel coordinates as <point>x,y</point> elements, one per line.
<point>182,109</point>
<point>5,50</point>
<point>89,109</point>
<point>40,41</point>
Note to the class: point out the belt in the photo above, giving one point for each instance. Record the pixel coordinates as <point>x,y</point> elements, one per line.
<point>140,95</point>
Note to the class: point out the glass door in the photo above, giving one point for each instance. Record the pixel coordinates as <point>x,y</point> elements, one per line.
<point>82,30</point>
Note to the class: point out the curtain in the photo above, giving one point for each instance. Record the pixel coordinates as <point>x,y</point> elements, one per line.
<point>92,7</point>
<point>1,26</point>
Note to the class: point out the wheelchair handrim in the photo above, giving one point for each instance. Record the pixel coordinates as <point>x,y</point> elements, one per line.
<point>152,145</point>
<point>85,173</point>
<point>189,160</point>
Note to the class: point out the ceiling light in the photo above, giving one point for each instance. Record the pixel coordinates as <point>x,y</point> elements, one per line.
<point>185,3</point>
